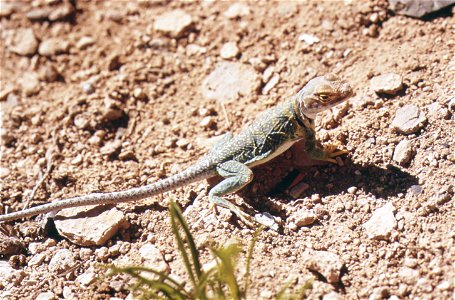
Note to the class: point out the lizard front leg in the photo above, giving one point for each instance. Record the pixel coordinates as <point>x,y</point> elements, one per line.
<point>237,175</point>
<point>316,151</point>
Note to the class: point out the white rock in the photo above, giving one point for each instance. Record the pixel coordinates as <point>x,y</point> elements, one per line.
<point>24,42</point>
<point>53,46</point>
<point>173,23</point>
<point>86,278</point>
<point>193,49</point>
<point>309,39</point>
<point>153,258</point>
<point>303,217</point>
<point>6,9</point>
<point>30,84</point>
<point>229,80</point>
<point>90,225</point>
<point>382,223</point>
<point>84,42</point>
<point>45,296</point>
<point>62,260</point>
<point>271,84</point>
<point>267,220</point>
<point>325,263</point>
<point>403,152</point>
<point>332,296</point>
<point>408,119</point>
<point>389,83</point>
<point>6,271</point>
<point>4,172</point>
<point>229,50</point>
<point>408,275</point>
<point>36,259</point>
<point>237,10</point>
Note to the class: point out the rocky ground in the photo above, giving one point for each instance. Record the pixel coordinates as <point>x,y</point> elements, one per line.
<point>103,96</point>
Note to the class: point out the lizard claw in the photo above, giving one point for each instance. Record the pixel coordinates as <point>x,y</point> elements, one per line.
<point>331,151</point>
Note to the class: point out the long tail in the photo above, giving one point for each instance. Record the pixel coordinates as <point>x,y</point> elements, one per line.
<point>192,174</point>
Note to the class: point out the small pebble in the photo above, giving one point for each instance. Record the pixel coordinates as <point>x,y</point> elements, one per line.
<point>174,23</point>
<point>403,152</point>
<point>352,190</point>
<point>53,46</point>
<point>408,119</point>
<point>267,220</point>
<point>229,50</point>
<point>207,122</point>
<point>389,83</point>
<point>4,172</point>
<point>85,42</point>
<point>87,87</point>
<point>415,190</point>
<point>309,39</point>
<point>237,10</point>
<point>24,42</point>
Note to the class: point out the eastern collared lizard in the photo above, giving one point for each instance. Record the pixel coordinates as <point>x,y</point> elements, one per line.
<point>232,157</point>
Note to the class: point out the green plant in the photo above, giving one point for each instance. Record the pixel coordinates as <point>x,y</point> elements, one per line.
<point>219,282</point>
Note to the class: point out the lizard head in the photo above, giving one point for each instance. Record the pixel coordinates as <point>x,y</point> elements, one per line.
<point>322,93</point>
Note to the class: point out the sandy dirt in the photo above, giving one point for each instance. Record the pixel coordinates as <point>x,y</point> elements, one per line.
<point>123,107</point>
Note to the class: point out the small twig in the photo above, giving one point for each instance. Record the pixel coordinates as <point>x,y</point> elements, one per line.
<point>226,117</point>
<point>49,168</point>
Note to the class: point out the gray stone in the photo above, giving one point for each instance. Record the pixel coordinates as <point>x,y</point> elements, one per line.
<point>174,23</point>
<point>415,189</point>
<point>53,46</point>
<point>325,263</point>
<point>90,225</point>
<point>62,260</point>
<point>417,8</point>
<point>382,223</point>
<point>403,152</point>
<point>24,42</point>
<point>408,119</point>
<point>229,80</point>
<point>389,83</point>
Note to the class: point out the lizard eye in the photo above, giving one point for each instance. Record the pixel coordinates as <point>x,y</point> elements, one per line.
<point>323,97</point>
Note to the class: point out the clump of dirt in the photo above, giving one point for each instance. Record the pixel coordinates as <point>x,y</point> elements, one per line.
<point>104,96</point>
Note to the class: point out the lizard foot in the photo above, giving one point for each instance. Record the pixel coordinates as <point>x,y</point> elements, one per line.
<point>331,151</point>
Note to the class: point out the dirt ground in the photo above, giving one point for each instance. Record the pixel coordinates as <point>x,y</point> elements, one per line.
<point>124,107</point>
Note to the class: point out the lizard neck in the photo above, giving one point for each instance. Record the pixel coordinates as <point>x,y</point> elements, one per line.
<point>301,118</point>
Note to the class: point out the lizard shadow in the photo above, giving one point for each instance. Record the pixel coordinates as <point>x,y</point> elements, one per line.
<point>325,180</point>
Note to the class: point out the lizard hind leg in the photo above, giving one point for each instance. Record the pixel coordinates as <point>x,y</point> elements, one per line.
<point>237,175</point>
